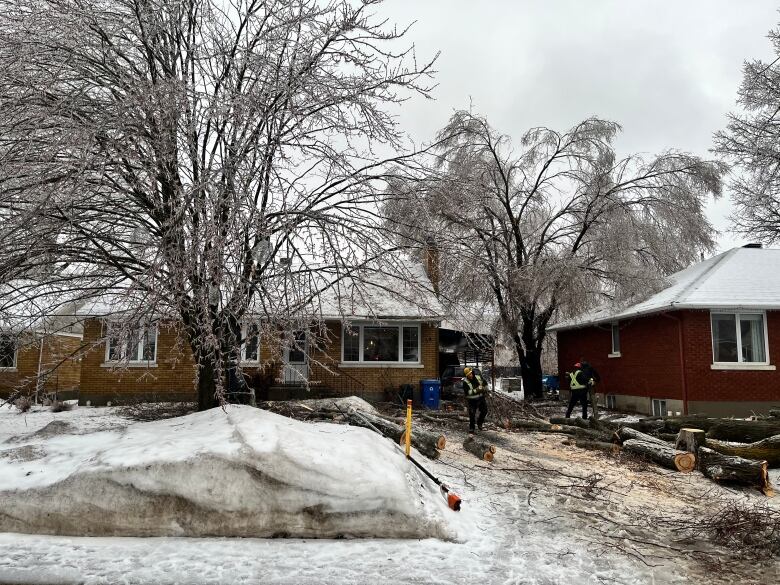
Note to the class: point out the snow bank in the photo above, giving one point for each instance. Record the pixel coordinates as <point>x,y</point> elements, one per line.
<point>237,472</point>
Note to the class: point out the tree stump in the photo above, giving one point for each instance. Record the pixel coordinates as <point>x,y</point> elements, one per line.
<point>663,454</point>
<point>481,449</point>
<point>690,440</point>
<point>730,469</point>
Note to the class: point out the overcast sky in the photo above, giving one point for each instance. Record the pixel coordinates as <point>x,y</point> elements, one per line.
<point>667,71</point>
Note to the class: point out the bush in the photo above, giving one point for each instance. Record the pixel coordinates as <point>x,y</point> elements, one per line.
<point>23,404</point>
<point>58,406</point>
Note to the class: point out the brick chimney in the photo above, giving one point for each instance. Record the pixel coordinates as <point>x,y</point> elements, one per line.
<point>430,258</point>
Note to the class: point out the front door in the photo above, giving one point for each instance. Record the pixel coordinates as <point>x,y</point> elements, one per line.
<point>296,361</point>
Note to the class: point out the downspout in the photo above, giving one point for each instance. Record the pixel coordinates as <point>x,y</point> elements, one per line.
<point>681,341</point>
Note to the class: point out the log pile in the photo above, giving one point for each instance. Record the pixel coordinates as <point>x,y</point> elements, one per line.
<point>425,442</point>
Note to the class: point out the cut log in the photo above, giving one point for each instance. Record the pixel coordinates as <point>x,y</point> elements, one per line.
<point>765,450</point>
<point>774,413</point>
<point>730,469</point>
<point>625,433</point>
<point>424,442</point>
<point>663,454</point>
<point>690,440</point>
<point>481,449</point>
<point>744,431</point>
<point>419,435</point>
<point>524,424</point>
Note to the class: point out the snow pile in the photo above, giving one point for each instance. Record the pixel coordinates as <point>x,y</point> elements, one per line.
<point>237,472</point>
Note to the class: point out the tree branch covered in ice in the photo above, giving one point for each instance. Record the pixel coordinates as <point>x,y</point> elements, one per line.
<point>168,153</point>
<point>554,225</point>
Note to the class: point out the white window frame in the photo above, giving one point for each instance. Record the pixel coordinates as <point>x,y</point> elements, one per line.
<point>244,339</point>
<point>656,402</point>
<point>139,350</point>
<point>739,364</point>
<point>615,332</point>
<point>610,401</point>
<point>12,367</point>
<point>400,363</point>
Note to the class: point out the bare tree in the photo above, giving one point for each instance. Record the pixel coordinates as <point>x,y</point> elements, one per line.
<point>167,153</point>
<point>752,141</point>
<point>552,229</point>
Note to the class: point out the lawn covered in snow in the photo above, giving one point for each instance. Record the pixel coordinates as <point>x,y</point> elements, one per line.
<point>528,518</point>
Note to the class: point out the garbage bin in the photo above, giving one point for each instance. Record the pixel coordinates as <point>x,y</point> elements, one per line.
<point>430,389</point>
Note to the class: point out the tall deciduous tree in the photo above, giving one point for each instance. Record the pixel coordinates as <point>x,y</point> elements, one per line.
<point>169,151</point>
<point>549,228</point>
<point>752,141</point>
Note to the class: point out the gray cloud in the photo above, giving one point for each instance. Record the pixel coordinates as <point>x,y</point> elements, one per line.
<point>667,71</point>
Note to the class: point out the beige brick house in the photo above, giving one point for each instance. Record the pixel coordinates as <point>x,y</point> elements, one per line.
<point>367,344</point>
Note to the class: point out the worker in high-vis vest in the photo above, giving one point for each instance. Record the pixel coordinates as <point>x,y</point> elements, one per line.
<point>475,389</point>
<point>580,381</point>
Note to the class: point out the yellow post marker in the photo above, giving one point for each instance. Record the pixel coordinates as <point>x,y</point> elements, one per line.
<point>408,427</point>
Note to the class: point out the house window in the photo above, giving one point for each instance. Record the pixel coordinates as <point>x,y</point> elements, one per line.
<point>659,407</point>
<point>611,402</point>
<point>7,352</point>
<point>615,338</point>
<point>739,337</point>
<point>250,348</point>
<point>139,347</point>
<point>386,344</point>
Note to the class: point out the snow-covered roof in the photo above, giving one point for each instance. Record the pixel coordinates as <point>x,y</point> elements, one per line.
<point>400,292</point>
<point>741,278</point>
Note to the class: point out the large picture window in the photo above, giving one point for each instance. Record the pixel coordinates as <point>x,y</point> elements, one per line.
<point>250,348</point>
<point>7,352</point>
<point>385,344</point>
<point>739,337</point>
<point>139,347</point>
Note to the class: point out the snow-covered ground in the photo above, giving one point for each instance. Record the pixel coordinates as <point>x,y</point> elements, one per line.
<point>541,513</point>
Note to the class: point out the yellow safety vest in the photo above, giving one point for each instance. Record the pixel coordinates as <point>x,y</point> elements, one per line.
<point>473,392</point>
<point>573,383</point>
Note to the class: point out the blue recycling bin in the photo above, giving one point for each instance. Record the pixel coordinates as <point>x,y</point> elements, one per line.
<point>430,390</point>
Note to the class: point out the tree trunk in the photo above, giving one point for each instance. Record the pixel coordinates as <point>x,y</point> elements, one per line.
<point>481,449</point>
<point>624,434</point>
<point>673,424</point>
<point>737,470</point>
<point>690,440</point>
<point>765,450</point>
<point>207,384</point>
<point>664,455</point>
<point>744,431</point>
<point>594,406</point>
<point>426,443</point>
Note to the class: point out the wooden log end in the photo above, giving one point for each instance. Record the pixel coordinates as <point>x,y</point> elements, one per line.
<point>441,442</point>
<point>488,456</point>
<point>685,462</point>
<point>556,427</point>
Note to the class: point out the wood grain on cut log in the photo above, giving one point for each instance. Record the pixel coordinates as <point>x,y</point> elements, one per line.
<point>765,450</point>
<point>744,431</point>
<point>481,449</point>
<point>690,440</point>
<point>626,433</point>
<point>663,454</point>
<point>731,469</point>
<point>437,440</point>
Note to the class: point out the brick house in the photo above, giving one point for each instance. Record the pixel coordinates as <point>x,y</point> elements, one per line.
<point>40,341</point>
<point>371,343</point>
<point>708,343</point>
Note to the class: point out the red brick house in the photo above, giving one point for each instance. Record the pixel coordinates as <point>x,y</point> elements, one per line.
<point>709,343</point>
<point>373,341</point>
